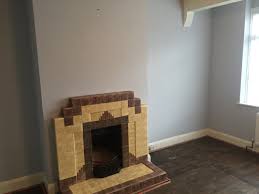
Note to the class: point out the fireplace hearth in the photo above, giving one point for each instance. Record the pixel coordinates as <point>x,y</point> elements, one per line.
<point>101,143</point>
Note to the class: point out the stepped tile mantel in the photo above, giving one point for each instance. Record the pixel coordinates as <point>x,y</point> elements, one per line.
<point>192,6</point>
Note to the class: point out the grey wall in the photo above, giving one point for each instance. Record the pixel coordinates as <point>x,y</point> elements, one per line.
<point>20,147</point>
<point>255,3</point>
<point>135,45</point>
<point>227,50</point>
<point>81,51</point>
<point>111,50</point>
<point>178,70</point>
<point>84,51</point>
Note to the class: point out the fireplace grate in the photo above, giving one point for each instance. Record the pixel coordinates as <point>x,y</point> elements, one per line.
<point>101,170</point>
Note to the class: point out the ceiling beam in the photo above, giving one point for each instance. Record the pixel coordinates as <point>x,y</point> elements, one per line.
<point>192,6</point>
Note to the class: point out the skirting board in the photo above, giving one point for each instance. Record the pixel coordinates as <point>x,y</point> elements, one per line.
<point>27,181</point>
<point>164,143</point>
<point>228,138</point>
<point>155,146</point>
<point>22,182</point>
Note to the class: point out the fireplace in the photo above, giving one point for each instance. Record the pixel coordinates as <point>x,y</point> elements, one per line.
<point>106,151</point>
<point>106,145</point>
<point>102,145</point>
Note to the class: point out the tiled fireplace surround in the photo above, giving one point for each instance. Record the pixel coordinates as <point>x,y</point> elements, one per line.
<point>74,141</point>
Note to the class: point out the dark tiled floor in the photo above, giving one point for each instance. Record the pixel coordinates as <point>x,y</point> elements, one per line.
<point>206,166</point>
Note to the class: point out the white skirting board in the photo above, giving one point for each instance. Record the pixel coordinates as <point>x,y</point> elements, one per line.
<point>155,146</point>
<point>198,134</point>
<point>22,182</point>
<point>229,138</point>
<point>164,143</point>
<point>27,181</point>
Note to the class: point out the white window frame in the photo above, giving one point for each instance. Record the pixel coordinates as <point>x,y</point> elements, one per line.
<point>246,62</point>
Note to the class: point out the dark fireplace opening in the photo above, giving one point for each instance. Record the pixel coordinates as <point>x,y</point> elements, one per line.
<point>106,151</point>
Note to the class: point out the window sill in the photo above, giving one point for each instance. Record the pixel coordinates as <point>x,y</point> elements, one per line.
<point>248,105</point>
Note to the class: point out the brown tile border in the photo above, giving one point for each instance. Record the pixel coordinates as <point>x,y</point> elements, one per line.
<point>137,101</point>
<point>142,159</point>
<point>106,115</point>
<point>125,144</point>
<point>64,184</point>
<point>81,175</point>
<point>101,98</point>
<point>131,103</point>
<point>105,123</point>
<point>75,103</point>
<point>132,159</point>
<point>134,102</point>
<point>87,137</point>
<point>75,108</point>
<point>68,112</point>
<point>137,109</point>
<point>68,120</point>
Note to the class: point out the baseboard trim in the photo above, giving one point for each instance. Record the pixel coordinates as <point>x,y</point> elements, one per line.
<point>228,138</point>
<point>22,182</point>
<point>27,181</point>
<point>164,143</point>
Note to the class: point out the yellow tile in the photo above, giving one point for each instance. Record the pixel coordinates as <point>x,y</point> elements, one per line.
<point>138,125</point>
<point>132,150</point>
<point>59,123</point>
<point>141,138</point>
<point>77,120</point>
<point>132,140</point>
<point>102,107</point>
<point>114,105</point>
<point>131,126</point>
<point>74,128</point>
<point>144,108</point>
<point>115,113</point>
<point>80,158</point>
<point>138,117</point>
<point>86,117</point>
<point>79,147</point>
<point>96,116</point>
<point>85,110</point>
<point>124,108</point>
<point>65,142</point>
<point>141,149</point>
<point>132,137</point>
<point>124,112</point>
<point>96,108</point>
<point>79,135</point>
<point>131,110</point>
<point>67,166</point>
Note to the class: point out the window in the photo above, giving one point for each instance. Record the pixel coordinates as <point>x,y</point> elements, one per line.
<point>250,74</point>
